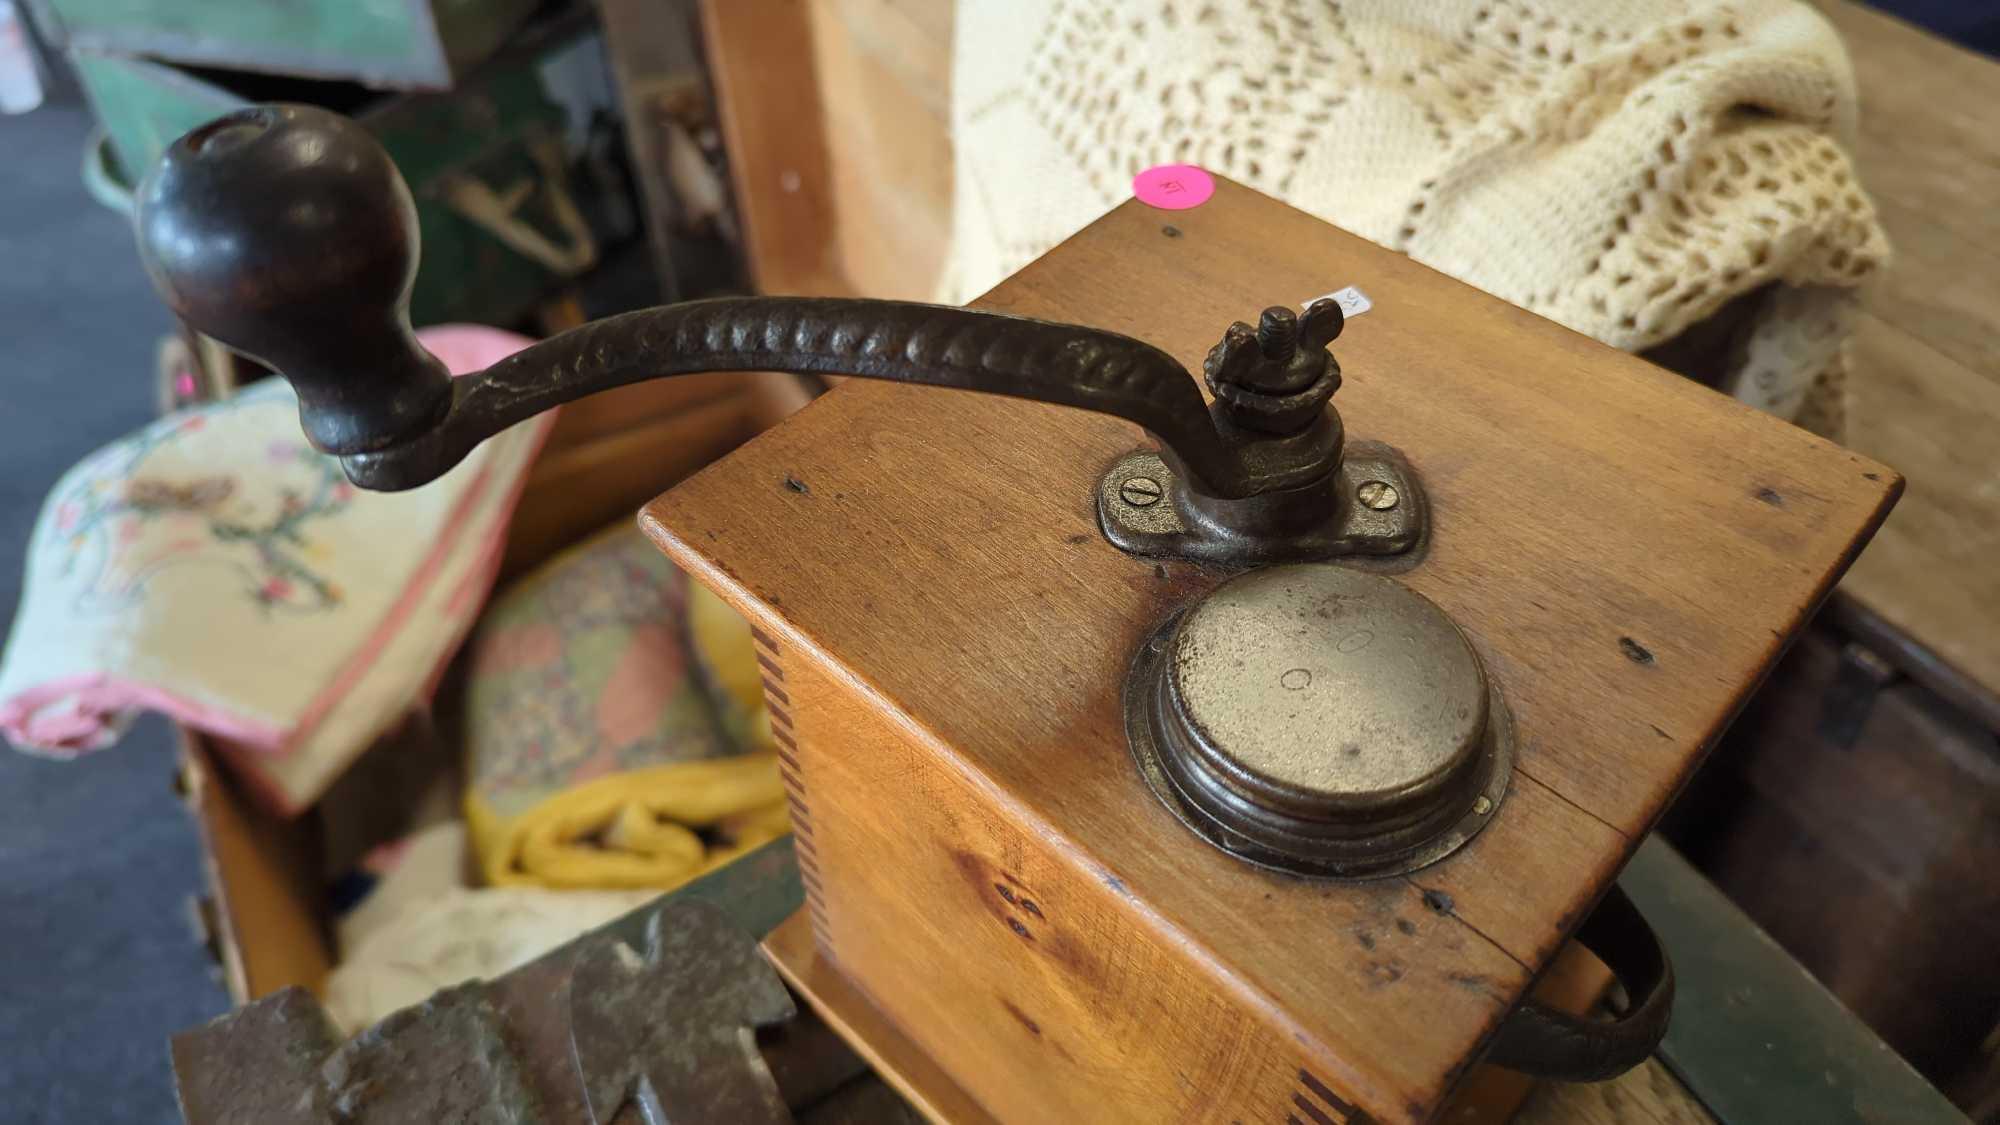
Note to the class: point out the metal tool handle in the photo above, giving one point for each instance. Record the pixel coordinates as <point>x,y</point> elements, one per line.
<point>287,233</point>
<point>896,341</point>
<point>1539,1040</point>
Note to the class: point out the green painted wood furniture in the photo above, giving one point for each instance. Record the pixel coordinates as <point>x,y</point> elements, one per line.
<point>396,44</point>
<point>486,131</point>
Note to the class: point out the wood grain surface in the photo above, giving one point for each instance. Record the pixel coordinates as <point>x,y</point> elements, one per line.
<point>767,99</point>
<point>1925,379</point>
<point>263,879</point>
<point>1647,1094</point>
<point>1627,551</point>
<point>610,453</point>
<point>1925,371</point>
<point>884,72</point>
<point>836,116</point>
<point>794,950</point>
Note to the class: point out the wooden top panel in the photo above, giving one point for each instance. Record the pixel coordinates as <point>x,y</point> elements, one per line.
<point>1627,550</point>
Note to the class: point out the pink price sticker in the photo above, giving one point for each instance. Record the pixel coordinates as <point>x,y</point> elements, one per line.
<point>1173,187</point>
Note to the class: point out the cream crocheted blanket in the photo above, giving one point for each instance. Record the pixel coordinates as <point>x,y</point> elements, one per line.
<point>1623,167</point>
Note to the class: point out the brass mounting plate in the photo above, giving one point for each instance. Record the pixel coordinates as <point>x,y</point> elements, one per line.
<point>1375,507</point>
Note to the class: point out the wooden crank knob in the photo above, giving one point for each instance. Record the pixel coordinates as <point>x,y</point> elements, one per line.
<point>287,233</point>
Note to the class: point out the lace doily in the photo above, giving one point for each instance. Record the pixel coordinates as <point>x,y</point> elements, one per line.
<point>1624,168</point>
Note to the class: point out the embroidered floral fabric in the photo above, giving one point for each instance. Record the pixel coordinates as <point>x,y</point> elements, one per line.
<point>216,567</point>
<point>596,755</point>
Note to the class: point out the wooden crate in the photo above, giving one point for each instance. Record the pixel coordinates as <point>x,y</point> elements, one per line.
<point>946,635</point>
<point>1856,817</point>
<point>266,910</point>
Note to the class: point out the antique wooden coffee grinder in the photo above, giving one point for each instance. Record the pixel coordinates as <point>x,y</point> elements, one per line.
<point>1252,777</point>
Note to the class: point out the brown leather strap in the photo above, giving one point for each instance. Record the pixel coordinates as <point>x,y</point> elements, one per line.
<point>1538,1040</point>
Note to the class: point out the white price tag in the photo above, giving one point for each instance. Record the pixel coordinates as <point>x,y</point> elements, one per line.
<point>1353,302</point>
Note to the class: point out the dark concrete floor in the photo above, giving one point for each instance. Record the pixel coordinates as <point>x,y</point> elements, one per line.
<point>97,860</point>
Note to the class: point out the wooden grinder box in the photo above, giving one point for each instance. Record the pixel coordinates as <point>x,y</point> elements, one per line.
<point>945,635</point>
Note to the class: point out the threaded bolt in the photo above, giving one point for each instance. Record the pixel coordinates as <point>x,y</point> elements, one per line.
<point>1379,495</point>
<point>1278,333</point>
<point>1140,492</point>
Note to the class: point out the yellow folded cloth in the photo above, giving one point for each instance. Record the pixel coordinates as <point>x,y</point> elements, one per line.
<point>727,656</point>
<point>655,828</point>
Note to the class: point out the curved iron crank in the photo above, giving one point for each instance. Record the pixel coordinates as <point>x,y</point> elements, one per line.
<point>286,233</point>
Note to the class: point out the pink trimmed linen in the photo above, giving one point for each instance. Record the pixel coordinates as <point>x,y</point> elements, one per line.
<point>216,568</point>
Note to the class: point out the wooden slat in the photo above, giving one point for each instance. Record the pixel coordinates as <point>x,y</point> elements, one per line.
<point>1648,1095</point>
<point>871,214</point>
<point>885,81</point>
<point>1934,571</point>
<point>1925,375</point>
<point>581,486</point>
<point>1939,287</point>
<point>264,880</point>
<point>760,59</point>
<point>1928,131</point>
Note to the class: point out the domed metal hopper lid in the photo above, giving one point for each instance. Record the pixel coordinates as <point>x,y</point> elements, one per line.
<point>1320,720</point>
